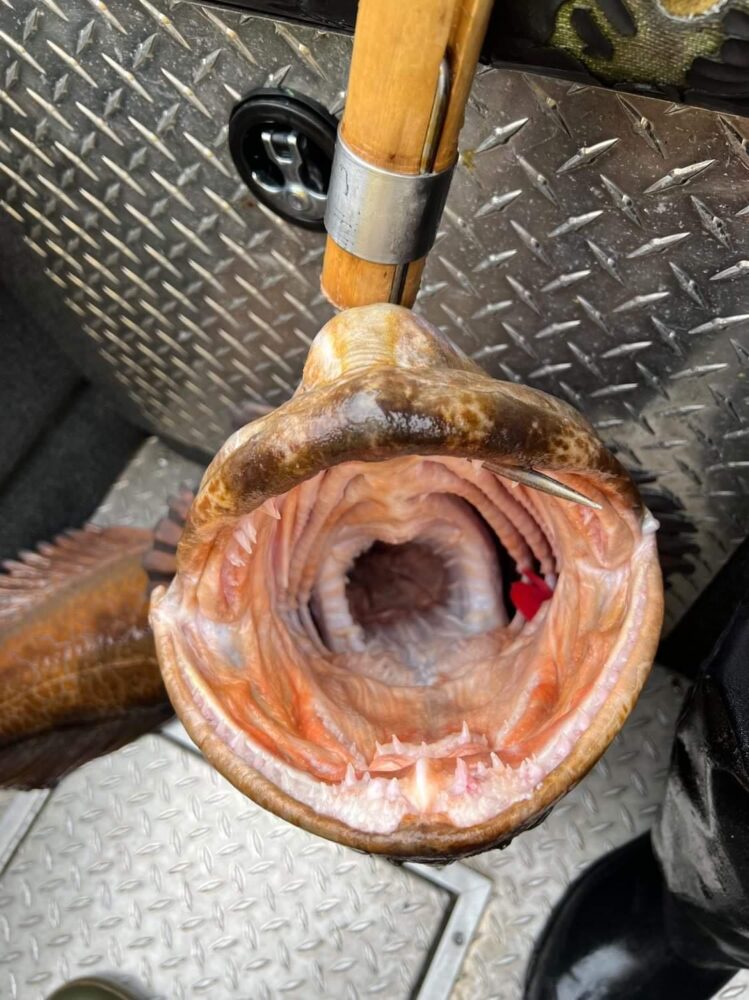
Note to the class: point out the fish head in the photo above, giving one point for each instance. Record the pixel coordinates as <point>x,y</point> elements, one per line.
<point>413,605</point>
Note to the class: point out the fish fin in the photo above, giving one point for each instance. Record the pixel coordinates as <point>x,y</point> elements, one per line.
<point>34,576</point>
<point>160,560</point>
<point>40,761</point>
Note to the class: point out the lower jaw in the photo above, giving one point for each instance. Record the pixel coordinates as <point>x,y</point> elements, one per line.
<point>458,796</point>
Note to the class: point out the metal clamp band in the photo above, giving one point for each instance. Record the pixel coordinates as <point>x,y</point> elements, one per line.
<point>382,216</point>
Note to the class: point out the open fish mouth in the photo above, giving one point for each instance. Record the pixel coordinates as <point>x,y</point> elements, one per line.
<point>414,604</point>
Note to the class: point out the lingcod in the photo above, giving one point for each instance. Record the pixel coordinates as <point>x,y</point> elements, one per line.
<point>413,604</point>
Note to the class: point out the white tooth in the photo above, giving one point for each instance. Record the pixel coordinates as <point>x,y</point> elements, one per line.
<point>366,777</point>
<point>649,523</point>
<point>461,777</point>
<point>379,748</point>
<point>465,733</point>
<point>393,789</point>
<point>376,789</point>
<point>269,507</point>
<point>495,760</point>
<point>350,778</point>
<point>235,559</point>
<point>421,775</point>
<point>481,768</point>
<point>241,540</point>
<point>397,745</point>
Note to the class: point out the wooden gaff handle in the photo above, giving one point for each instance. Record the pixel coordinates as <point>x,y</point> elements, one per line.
<point>398,50</point>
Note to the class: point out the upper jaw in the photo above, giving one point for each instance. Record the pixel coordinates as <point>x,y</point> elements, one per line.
<point>384,413</point>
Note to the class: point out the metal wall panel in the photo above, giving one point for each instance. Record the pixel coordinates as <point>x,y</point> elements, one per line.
<point>594,244</point>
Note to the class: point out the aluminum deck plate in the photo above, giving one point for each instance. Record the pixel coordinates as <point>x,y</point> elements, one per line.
<point>147,866</point>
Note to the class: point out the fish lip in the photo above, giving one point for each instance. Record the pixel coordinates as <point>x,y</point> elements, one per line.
<point>389,412</point>
<point>430,842</point>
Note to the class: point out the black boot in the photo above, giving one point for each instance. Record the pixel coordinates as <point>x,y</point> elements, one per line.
<point>668,918</point>
<point>607,939</point>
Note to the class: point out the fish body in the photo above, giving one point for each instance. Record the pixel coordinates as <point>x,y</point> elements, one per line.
<point>78,670</point>
<point>338,638</point>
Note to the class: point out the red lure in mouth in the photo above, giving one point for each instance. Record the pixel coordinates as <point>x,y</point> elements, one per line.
<point>529,594</point>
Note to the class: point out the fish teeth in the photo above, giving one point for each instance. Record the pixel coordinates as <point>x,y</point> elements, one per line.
<point>397,745</point>
<point>350,778</point>
<point>376,788</point>
<point>496,762</point>
<point>245,535</point>
<point>460,782</point>
<point>650,524</point>
<point>241,540</point>
<point>269,507</point>
<point>379,749</point>
<point>421,787</point>
<point>465,733</point>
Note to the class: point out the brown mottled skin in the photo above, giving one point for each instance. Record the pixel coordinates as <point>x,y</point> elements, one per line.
<point>78,669</point>
<point>382,385</point>
<point>419,410</point>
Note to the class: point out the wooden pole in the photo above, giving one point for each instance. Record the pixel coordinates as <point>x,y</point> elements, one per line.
<point>390,116</point>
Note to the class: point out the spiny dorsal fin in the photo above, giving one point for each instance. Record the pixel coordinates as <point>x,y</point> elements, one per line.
<point>34,576</point>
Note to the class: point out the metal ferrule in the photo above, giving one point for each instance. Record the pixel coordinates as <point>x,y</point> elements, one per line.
<point>382,216</point>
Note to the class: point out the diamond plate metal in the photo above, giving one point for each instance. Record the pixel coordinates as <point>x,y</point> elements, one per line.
<point>150,866</point>
<point>146,865</point>
<point>139,497</point>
